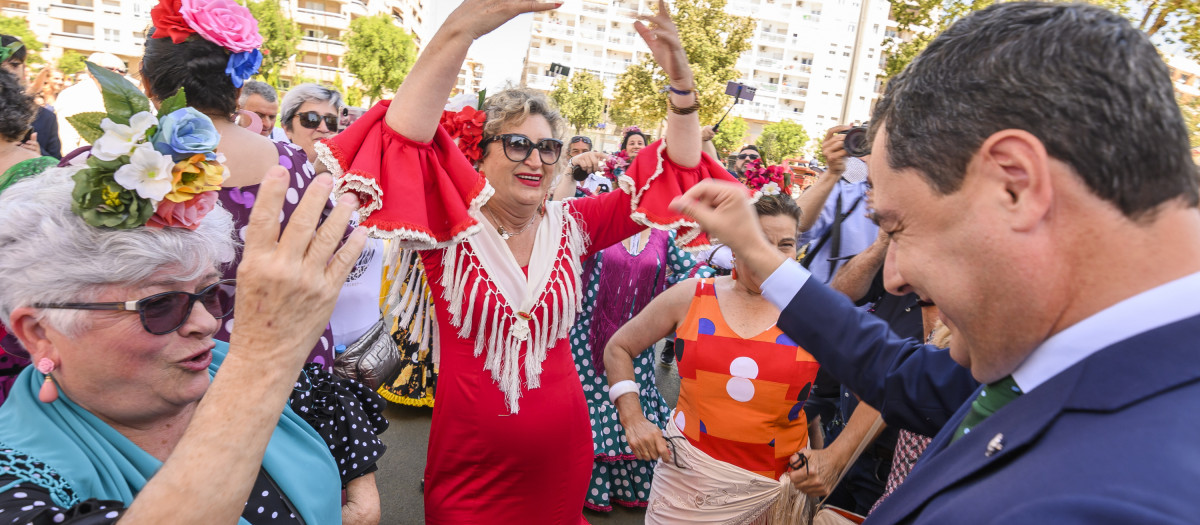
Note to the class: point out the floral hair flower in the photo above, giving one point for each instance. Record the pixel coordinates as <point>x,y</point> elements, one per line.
<point>463,119</point>
<point>616,165</point>
<point>222,22</point>
<point>144,169</point>
<point>770,180</point>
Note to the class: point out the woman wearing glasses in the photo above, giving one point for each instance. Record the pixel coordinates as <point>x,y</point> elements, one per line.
<point>510,441</point>
<point>308,114</point>
<point>121,418</point>
<point>199,67</point>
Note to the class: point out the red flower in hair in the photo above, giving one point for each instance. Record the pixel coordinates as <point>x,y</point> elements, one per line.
<point>466,127</point>
<point>759,177</point>
<point>168,22</point>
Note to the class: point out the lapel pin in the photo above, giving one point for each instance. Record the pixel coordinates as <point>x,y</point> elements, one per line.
<point>995,445</point>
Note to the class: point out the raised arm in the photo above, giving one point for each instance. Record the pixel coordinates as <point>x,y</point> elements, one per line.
<point>656,321</point>
<point>418,104</point>
<point>683,131</point>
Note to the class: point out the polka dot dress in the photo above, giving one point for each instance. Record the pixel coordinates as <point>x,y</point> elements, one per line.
<point>617,476</point>
<point>238,201</point>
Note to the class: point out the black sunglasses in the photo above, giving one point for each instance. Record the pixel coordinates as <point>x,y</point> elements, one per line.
<point>518,147</point>
<point>312,120</point>
<point>163,313</point>
<point>580,138</point>
<point>750,156</point>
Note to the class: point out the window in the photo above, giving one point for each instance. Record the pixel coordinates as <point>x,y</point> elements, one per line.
<point>112,35</point>
<point>112,7</point>
<point>845,53</point>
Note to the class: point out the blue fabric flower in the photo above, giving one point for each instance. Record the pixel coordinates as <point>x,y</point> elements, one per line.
<point>242,66</point>
<point>185,132</point>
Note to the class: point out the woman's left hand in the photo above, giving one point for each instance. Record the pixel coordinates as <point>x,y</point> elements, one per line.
<point>661,35</point>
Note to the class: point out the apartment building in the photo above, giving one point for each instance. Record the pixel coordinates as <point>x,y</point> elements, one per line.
<point>815,62</point>
<point>470,78</point>
<point>1185,73</point>
<point>119,27</point>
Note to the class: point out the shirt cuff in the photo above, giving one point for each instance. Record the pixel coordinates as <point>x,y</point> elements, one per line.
<point>784,283</point>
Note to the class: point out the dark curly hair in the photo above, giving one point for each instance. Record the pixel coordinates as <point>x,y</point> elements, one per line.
<point>625,139</point>
<point>196,65</point>
<point>17,108</point>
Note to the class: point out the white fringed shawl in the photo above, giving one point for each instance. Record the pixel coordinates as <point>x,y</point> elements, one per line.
<point>490,298</point>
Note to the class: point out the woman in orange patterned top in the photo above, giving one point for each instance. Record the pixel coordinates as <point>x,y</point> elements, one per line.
<point>742,390</point>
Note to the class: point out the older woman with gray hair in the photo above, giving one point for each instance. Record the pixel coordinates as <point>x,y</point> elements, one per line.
<point>123,416</point>
<point>309,113</point>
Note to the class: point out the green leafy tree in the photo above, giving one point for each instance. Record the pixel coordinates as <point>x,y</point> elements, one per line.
<point>379,53</point>
<point>781,140</point>
<point>19,27</point>
<point>280,35</point>
<point>730,135</point>
<point>713,40</point>
<point>1191,117</point>
<point>580,99</point>
<point>919,21</point>
<point>71,63</point>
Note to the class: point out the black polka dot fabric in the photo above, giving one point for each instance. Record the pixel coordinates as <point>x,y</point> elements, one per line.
<point>347,414</point>
<point>30,504</point>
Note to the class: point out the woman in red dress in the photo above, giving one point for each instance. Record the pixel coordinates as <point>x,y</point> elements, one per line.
<point>511,440</point>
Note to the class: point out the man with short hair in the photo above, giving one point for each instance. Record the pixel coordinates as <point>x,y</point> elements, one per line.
<point>1006,216</point>
<point>748,153</point>
<point>262,100</point>
<point>578,144</point>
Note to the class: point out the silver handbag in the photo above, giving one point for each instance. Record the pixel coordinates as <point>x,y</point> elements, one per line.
<point>371,359</point>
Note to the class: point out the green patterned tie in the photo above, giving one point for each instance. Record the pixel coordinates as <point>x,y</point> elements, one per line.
<point>993,397</point>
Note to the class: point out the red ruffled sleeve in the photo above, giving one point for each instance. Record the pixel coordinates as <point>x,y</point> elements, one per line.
<point>652,182</point>
<point>419,194</point>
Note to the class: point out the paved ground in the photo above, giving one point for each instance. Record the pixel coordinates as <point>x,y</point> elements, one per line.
<point>400,470</point>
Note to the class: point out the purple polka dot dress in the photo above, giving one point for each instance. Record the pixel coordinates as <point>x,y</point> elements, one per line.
<point>240,200</point>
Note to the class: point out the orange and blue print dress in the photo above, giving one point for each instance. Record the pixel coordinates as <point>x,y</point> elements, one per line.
<point>741,400</point>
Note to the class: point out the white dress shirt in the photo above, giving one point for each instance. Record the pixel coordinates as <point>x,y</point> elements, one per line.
<point>1154,308</point>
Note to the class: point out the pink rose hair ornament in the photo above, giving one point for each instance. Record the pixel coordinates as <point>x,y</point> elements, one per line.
<point>222,22</point>
<point>767,180</point>
<point>145,169</point>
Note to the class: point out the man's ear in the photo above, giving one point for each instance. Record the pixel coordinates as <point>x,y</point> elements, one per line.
<point>1017,165</point>
<point>32,332</point>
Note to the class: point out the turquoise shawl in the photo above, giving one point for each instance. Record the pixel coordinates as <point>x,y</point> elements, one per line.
<point>95,461</point>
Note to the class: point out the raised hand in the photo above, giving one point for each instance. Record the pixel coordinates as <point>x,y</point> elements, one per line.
<point>480,17</point>
<point>288,284</point>
<point>661,35</point>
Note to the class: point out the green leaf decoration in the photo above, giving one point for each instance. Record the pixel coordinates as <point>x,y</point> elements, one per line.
<point>6,52</point>
<point>121,98</point>
<point>103,203</point>
<point>482,97</point>
<point>107,166</point>
<point>171,104</point>
<point>88,125</point>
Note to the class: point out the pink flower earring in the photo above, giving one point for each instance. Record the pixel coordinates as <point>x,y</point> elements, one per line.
<point>49,391</point>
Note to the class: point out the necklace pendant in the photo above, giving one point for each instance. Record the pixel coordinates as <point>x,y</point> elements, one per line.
<point>504,235</point>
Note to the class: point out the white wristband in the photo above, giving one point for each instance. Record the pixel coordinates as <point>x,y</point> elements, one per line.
<point>621,388</point>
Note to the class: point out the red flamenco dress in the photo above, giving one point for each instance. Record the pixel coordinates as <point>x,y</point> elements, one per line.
<point>511,438</point>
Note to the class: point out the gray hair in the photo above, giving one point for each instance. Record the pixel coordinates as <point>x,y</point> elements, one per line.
<point>51,255</point>
<point>254,87</point>
<point>298,95</point>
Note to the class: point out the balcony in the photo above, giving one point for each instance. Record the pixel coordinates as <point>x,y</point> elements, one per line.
<point>313,17</point>
<point>772,38</point>
<point>356,8</point>
<point>75,13</point>
<point>321,73</point>
<point>321,46</point>
<point>540,82</point>
<point>78,41</point>
<point>792,92</point>
<point>768,63</point>
<point>589,8</point>
<point>556,30</point>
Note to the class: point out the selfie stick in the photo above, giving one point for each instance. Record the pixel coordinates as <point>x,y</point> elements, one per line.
<point>736,98</point>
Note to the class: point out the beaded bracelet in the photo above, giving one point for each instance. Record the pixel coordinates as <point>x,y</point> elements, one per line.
<point>683,111</point>
<point>678,91</point>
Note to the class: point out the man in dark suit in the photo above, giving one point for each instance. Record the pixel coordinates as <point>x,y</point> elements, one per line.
<point>1032,169</point>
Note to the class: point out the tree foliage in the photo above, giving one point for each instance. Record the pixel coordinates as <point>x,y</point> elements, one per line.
<point>1191,117</point>
<point>730,135</point>
<point>19,27</point>
<point>713,41</point>
<point>280,35</point>
<point>1172,21</point>
<point>781,140</point>
<point>379,53</point>
<point>580,99</point>
<point>71,62</point>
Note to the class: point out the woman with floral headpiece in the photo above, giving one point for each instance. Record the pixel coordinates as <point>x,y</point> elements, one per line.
<point>510,441</point>
<point>207,49</point>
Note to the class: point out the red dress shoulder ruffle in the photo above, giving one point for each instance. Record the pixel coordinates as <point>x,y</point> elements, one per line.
<point>419,194</point>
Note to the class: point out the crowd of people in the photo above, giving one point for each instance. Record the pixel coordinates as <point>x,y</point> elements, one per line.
<point>977,319</point>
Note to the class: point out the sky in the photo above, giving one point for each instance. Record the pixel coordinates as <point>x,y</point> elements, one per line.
<point>502,51</point>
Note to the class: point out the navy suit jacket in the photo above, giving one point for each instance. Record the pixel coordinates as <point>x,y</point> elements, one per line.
<point>1112,439</point>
